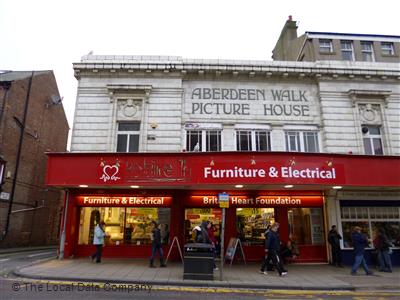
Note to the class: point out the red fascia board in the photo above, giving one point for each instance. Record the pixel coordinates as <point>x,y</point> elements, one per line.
<point>178,169</point>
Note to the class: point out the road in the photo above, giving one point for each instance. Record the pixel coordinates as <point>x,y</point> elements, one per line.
<point>10,261</point>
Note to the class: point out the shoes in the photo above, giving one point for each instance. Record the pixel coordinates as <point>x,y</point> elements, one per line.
<point>353,273</point>
<point>163,266</point>
<point>283,274</point>
<point>263,272</point>
<point>216,269</point>
<point>369,273</point>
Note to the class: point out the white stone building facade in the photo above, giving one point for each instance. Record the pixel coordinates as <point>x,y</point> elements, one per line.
<point>161,104</point>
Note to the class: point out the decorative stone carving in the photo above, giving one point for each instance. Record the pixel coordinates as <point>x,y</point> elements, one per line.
<point>370,113</point>
<point>129,109</point>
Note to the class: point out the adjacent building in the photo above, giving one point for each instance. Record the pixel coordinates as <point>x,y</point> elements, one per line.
<point>32,122</point>
<point>308,144</point>
<point>314,46</point>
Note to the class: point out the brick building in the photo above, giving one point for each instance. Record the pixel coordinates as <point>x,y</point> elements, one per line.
<point>29,104</point>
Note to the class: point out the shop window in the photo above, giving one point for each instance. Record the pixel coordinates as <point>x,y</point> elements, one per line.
<point>123,225</point>
<point>367,51</point>
<point>251,224</point>
<point>253,140</point>
<point>128,137</point>
<point>302,141</point>
<point>306,226</point>
<point>347,227</point>
<point>372,140</point>
<point>195,216</point>
<point>203,140</point>
<point>370,219</point>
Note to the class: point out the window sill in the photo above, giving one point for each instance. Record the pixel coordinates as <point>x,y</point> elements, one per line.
<point>327,53</point>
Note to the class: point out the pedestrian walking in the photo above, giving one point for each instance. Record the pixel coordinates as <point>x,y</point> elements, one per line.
<point>359,241</point>
<point>266,263</point>
<point>98,241</point>
<point>213,240</point>
<point>273,245</point>
<point>334,240</point>
<point>156,245</point>
<point>382,245</point>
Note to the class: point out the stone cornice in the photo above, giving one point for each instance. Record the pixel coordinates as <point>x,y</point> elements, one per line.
<point>177,66</point>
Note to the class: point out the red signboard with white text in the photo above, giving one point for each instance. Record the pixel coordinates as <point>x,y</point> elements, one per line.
<point>123,201</point>
<point>178,169</point>
<point>258,201</point>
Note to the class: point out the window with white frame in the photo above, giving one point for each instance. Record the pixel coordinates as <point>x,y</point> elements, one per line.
<point>347,50</point>
<point>128,137</point>
<point>371,219</point>
<point>325,46</point>
<point>372,140</point>
<point>203,140</point>
<point>253,140</point>
<point>367,51</point>
<point>302,141</point>
<point>387,48</point>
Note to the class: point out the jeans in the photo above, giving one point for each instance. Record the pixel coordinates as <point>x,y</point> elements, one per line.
<point>359,260</point>
<point>154,249</point>
<point>385,263</point>
<point>97,254</point>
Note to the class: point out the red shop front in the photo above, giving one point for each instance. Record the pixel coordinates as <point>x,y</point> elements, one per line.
<point>179,190</point>
<point>299,213</point>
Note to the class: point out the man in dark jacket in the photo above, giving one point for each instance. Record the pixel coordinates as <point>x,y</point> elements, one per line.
<point>156,245</point>
<point>273,244</point>
<point>382,245</point>
<point>204,238</point>
<point>334,240</point>
<point>359,241</point>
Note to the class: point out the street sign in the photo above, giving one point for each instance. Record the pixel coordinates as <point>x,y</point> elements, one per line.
<point>223,200</point>
<point>5,196</point>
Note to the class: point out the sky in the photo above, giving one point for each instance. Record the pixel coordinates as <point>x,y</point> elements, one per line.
<point>53,34</point>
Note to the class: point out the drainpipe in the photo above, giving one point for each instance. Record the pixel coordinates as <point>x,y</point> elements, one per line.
<point>21,139</point>
<point>64,225</point>
<point>6,86</point>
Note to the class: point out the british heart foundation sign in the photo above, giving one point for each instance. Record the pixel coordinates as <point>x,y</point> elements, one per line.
<point>259,201</point>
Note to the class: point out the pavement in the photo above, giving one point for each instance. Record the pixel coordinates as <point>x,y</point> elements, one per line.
<point>241,276</point>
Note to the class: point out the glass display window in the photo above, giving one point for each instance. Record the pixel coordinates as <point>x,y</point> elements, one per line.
<point>306,225</point>
<point>138,229</point>
<point>371,219</point>
<point>195,216</point>
<point>131,225</point>
<point>251,224</point>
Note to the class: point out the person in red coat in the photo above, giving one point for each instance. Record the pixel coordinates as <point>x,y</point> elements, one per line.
<point>213,240</point>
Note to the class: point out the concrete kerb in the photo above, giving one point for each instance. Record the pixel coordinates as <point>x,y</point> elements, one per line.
<point>26,249</point>
<point>183,283</point>
<point>36,262</point>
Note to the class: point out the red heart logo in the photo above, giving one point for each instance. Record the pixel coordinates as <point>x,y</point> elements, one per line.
<point>110,171</point>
